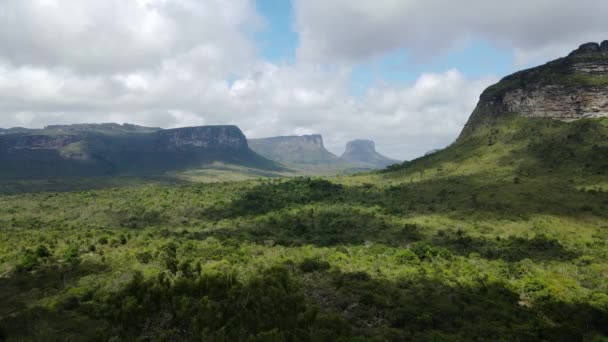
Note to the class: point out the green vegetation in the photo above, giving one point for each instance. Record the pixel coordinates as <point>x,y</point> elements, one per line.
<point>502,237</point>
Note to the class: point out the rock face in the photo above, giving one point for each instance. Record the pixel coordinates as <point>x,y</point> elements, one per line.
<point>13,130</point>
<point>305,149</point>
<point>111,149</point>
<point>103,127</point>
<point>363,152</point>
<point>44,142</point>
<point>569,88</point>
<point>229,137</point>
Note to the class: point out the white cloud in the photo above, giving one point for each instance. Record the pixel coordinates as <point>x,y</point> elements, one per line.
<point>124,35</point>
<point>173,63</point>
<point>348,30</point>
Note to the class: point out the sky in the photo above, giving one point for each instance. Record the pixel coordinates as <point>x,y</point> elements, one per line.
<point>404,73</point>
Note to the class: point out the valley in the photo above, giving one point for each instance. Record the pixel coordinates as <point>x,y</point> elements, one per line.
<point>500,236</point>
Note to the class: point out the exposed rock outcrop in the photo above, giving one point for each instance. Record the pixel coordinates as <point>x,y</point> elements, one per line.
<point>363,152</point>
<point>304,149</point>
<point>569,88</point>
<point>586,48</point>
<point>103,127</point>
<point>229,137</point>
<point>44,142</point>
<point>13,130</point>
<point>111,149</point>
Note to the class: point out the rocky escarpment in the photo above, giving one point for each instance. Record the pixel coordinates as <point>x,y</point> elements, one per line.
<point>13,130</point>
<point>103,127</point>
<point>44,142</point>
<point>363,152</point>
<point>111,149</point>
<point>569,88</point>
<point>305,149</point>
<point>217,137</point>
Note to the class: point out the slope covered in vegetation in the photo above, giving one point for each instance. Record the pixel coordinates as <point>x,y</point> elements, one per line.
<point>501,236</point>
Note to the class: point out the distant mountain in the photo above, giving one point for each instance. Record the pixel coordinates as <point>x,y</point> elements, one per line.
<point>304,154</point>
<point>13,130</point>
<point>111,149</point>
<point>104,128</point>
<point>305,149</point>
<point>363,153</point>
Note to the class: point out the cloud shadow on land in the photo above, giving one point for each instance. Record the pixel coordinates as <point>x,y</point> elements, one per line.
<point>315,304</point>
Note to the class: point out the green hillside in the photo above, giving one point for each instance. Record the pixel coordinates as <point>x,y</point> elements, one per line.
<point>501,236</point>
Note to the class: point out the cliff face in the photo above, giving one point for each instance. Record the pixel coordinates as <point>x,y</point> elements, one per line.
<point>363,153</point>
<point>569,88</point>
<point>104,127</point>
<point>305,149</point>
<point>48,142</point>
<point>110,149</point>
<point>229,137</point>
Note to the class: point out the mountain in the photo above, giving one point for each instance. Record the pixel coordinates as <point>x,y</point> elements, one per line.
<point>304,154</point>
<point>307,154</point>
<point>363,153</point>
<point>305,149</point>
<point>569,88</point>
<point>103,128</point>
<point>13,130</point>
<point>549,122</point>
<point>112,150</point>
<point>501,236</point>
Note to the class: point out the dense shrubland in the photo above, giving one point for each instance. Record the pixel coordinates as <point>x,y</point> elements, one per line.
<point>450,250</point>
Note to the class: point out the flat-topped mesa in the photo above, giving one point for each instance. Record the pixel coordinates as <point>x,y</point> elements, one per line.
<point>43,142</point>
<point>363,152</point>
<point>302,149</point>
<point>359,146</point>
<point>217,137</point>
<point>102,127</point>
<point>314,139</point>
<point>569,88</point>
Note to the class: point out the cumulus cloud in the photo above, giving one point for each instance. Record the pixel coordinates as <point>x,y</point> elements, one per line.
<point>119,35</point>
<point>405,121</point>
<point>194,62</point>
<point>358,30</point>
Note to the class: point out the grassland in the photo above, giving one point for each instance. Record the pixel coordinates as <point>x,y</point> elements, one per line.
<point>502,236</point>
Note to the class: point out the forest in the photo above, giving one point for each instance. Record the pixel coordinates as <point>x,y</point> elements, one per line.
<point>446,248</point>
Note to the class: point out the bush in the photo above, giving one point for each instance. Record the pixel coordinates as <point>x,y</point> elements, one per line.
<point>42,252</point>
<point>406,256</point>
<point>313,264</point>
<point>72,254</point>
<point>144,257</point>
<point>426,252</point>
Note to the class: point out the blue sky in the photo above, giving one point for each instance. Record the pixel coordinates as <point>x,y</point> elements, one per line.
<point>277,42</point>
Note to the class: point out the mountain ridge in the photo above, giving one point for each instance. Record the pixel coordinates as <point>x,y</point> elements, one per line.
<point>111,149</point>
<point>568,88</point>
<point>363,152</point>
<point>294,149</point>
